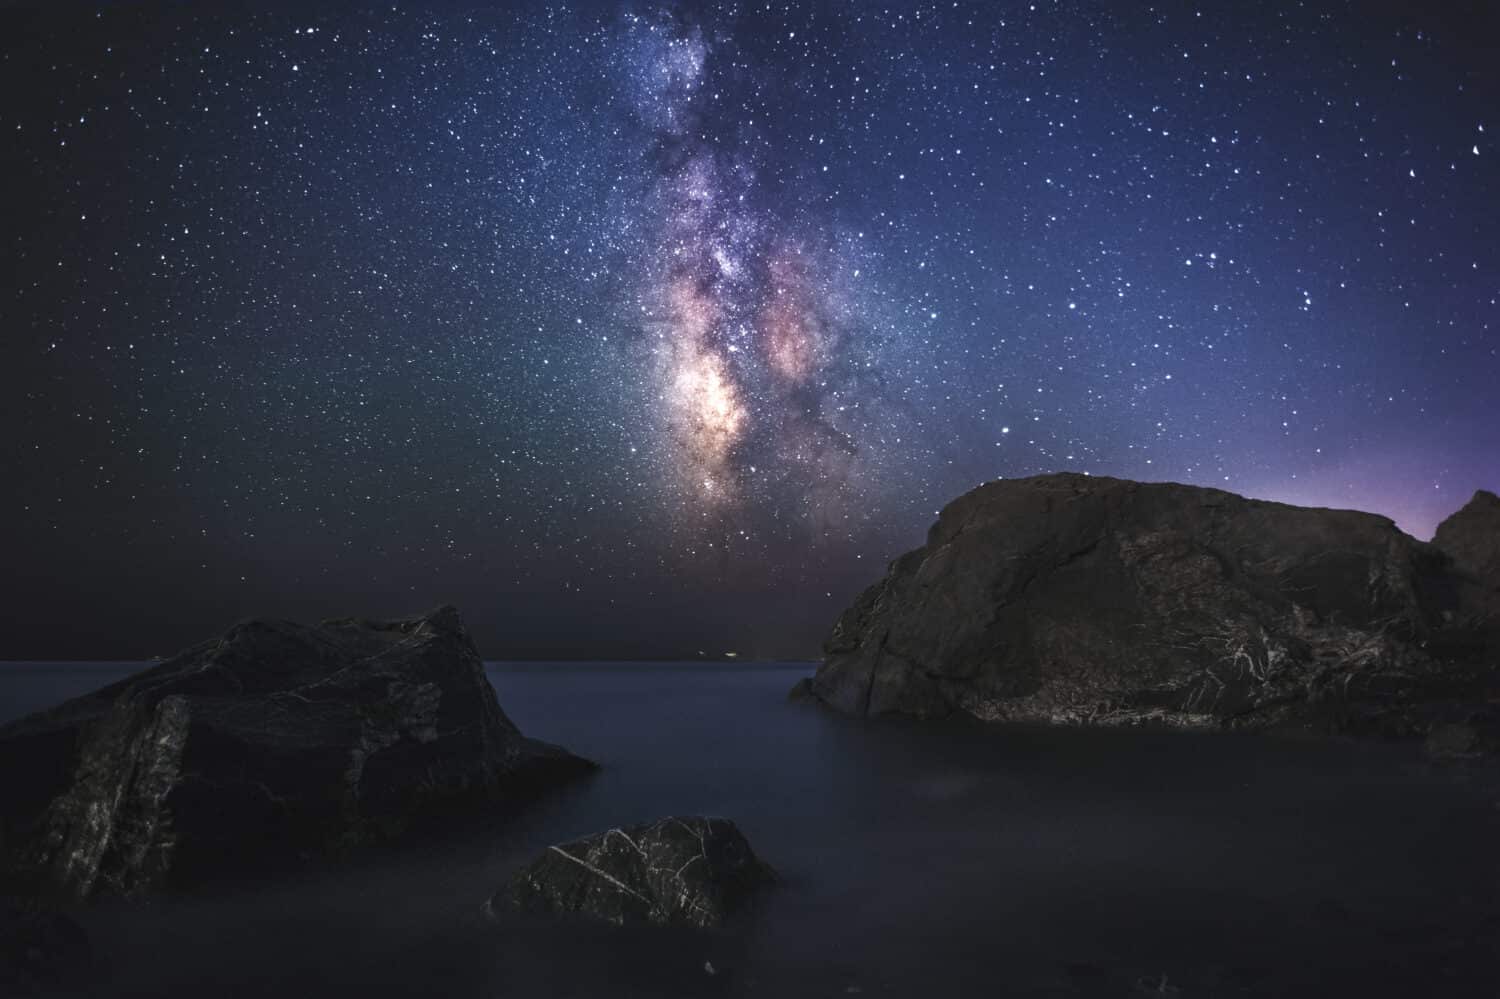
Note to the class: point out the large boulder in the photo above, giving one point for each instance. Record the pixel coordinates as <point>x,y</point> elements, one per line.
<point>691,871</point>
<point>1076,599</point>
<point>273,745</point>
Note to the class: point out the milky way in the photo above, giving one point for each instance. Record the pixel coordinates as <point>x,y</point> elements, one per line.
<point>753,332</point>
<point>644,329</point>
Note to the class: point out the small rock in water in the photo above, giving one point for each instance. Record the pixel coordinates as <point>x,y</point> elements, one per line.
<point>688,871</point>
<point>802,690</point>
<point>1476,735</point>
<point>1151,985</point>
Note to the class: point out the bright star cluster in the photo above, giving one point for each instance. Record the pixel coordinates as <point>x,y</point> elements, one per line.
<point>644,329</point>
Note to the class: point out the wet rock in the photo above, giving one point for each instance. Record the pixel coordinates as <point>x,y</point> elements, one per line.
<point>801,691</point>
<point>690,871</point>
<point>1474,733</point>
<point>1453,740</point>
<point>275,745</point>
<point>1075,599</point>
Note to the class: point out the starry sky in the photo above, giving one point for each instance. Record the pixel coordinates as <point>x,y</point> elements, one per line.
<point>644,330</point>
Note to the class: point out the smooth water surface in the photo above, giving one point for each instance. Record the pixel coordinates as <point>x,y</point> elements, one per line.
<point>915,860</point>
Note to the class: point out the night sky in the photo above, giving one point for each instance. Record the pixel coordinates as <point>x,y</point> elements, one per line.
<point>637,330</point>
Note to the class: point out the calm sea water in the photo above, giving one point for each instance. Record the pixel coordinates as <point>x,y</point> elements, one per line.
<point>915,860</point>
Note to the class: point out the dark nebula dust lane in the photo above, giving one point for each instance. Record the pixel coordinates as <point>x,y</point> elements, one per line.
<point>656,329</point>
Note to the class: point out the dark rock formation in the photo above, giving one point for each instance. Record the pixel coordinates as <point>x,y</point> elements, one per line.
<point>41,950</point>
<point>275,744</point>
<point>1476,733</point>
<point>801,691</point>
<point>672,872</point>
<point>1472,538</point>
<point>1066,598</point>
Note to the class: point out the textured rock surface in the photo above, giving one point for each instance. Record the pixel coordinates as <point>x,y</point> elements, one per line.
<point>673,872</point>
<point>275,744</point>
<point>1074,599</point>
